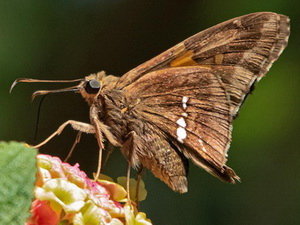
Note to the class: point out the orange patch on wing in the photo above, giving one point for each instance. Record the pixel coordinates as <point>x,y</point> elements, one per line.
<point>219,58</point>
<point>184,60</point>
<point>124,110</point>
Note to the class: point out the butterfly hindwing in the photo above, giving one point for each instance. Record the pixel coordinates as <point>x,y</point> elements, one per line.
<point>147,146</point>
<point>190,107</point>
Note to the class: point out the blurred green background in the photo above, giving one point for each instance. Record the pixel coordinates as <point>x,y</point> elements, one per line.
<point>65,39</point>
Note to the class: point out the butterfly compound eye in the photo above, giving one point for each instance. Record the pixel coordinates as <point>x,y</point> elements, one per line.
<point>92,86</point>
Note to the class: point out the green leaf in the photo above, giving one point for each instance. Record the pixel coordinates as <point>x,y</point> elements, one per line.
<point>17,178</point>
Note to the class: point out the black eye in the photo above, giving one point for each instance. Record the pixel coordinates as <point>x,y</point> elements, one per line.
<point>92,86</point>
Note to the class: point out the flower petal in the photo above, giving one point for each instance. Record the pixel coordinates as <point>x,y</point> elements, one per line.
<point>42,213</point>
<point>62,192</point>
<point>133,187</point>
<point>91,214</point>
<point>117,192</point>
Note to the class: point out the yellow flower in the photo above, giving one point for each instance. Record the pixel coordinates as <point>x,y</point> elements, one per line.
<point>62,193</point>
<point>93,215</point>
<point>133,188</point>
<point>134,218</point>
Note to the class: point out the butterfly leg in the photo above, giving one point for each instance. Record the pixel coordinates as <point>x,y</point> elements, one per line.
<point>109,149</point>
<point>138,181</point>
<point>77,140</point>
<point>100,129</point>
<point>129,150</point>
<point>76,125</point>
<point>128,182</point>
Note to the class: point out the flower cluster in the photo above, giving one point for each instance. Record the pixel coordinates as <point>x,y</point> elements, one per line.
<point>65,195</point>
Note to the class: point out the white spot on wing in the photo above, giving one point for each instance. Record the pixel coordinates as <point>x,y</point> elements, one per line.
<point>184,101</point>
<point>181,122</point>
<point>202,146</point>
<point>237,22</point>
<point>181,134</point>
<point>184,114</point>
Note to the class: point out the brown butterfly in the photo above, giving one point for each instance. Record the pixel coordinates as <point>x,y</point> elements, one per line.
<point>180,104</point>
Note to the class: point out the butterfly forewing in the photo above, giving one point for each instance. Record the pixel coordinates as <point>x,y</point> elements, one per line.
<point>241,50</point>
<point>192,91</point>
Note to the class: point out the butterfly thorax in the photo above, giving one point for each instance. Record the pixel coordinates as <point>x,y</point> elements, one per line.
<point>115,112</point>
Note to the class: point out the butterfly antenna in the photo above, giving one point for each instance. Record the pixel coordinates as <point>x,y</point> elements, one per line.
<point>38,117</point>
